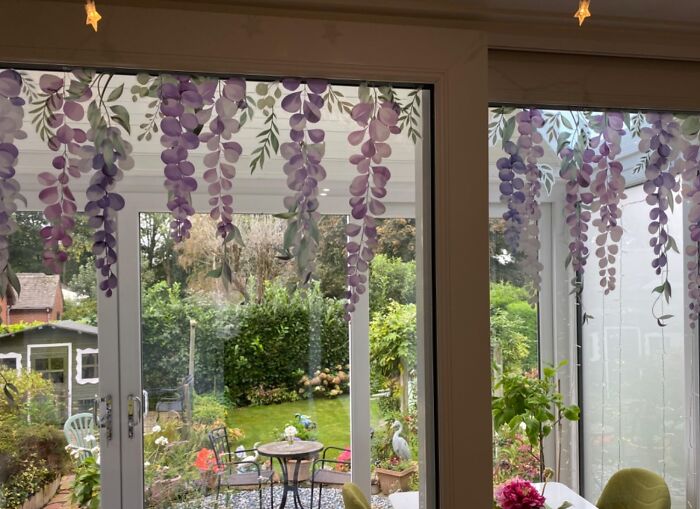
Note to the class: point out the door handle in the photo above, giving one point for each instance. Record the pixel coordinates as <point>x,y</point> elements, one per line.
<point>134,411</point>
<point>102,414</point>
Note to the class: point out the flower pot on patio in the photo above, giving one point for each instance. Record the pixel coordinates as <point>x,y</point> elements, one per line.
<point>391,481</point>
<point>304,469</point>
<point>164,489</point>
<point>209,478</point>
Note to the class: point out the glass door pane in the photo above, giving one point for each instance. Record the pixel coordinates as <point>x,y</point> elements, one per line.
<point>242,360</point>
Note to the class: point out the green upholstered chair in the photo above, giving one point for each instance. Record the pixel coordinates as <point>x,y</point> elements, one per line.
<point>353,498</point>
<point>635,488</point>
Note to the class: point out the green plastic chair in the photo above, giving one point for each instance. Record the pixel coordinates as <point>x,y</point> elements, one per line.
<point>353,498</point>
<point>76,428</point>
<point>635,488</point>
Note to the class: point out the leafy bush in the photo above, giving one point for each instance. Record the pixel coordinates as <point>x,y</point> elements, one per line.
<point>33,475</point>
<point>391,279</point>
<point>208,408</point>
<point>281,335</point>
<point>329,383</point>
<point>259,396</point>
<point>86,485</point>
<point>392,342</point>
<point>240,348</point>
<point>513,327</point>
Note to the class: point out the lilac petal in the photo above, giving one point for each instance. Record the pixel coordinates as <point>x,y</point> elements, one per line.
<point>317,86</point>
<point>170,126</point>
<point>73,110</point>
<point>292,102</point>
<point>291,83</point>
<point>50,84</point>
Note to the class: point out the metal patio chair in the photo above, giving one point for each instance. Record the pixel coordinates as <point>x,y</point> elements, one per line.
<point>228,474</point>
<point>322,476</point>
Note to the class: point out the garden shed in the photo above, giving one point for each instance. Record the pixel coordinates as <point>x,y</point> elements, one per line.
<point>64,352</point>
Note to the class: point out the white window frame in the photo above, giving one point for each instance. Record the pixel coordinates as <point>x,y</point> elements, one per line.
<point>79,365</point>
<point>17,357</point>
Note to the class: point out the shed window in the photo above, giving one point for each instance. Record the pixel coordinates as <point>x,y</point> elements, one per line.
<point>10,361</point>
<point>87,370</point>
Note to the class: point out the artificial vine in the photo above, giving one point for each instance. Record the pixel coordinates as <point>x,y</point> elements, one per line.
<point>186,112</point>
<point>12,117</point>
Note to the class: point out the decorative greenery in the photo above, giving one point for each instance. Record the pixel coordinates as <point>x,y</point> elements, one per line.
<point>535,405</point>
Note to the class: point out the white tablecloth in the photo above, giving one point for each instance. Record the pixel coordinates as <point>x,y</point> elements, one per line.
<point>405,500</point>
<point>556,493</point>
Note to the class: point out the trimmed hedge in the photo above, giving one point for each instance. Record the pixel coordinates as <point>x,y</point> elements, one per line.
<point>240,348</point>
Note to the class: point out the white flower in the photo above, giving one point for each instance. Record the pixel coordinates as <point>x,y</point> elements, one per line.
<point>146,463</point>
<point>97,459</point>
<point>162,440</point>
<point>95,450</point>
<point>75,453</point>
<point>290,432</point>
<point>166,468</point>
<point>90,438</point>
<point>156,429</point>
<point>504,258</point>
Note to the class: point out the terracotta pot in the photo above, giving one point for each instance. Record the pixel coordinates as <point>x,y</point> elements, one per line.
<point>392,481</point>
<point>165,489</point>
<point>209,478</point>
<point>304,469</point>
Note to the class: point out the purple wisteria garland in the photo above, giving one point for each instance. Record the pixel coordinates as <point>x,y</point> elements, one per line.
<point>520,189</point>
<point>378,122</point>
<point>608,188</point>
<point>304,171</point>
<point>220,173</point>
<point>58,110</point>
<point>109,155</point>
<point>661,140</point>
<point>185,106</point>
<point>11,120</point>
<point>577,202</point>
<point>691,192</point>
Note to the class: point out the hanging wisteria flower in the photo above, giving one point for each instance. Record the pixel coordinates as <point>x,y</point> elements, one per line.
<point>220,173</point>
<point>530,149</point>
<point>183,107</point>
<point>662,141</point>
<point>109,155</point>
<point>510,170</point>
<point>11,119</point>
<point>368,188</point>
<point>576,207</point>
<point>691,192</point>
<point>304,171</point>
<point>56,193</point>
<point>608,188</point>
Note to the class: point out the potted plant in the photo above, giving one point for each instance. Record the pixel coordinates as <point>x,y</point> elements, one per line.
<point>534,407</point>
<point>206,464</point>
<point>393,456</point>
<point>301,428</point>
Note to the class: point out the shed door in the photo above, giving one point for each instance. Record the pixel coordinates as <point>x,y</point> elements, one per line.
<point>52,363</point>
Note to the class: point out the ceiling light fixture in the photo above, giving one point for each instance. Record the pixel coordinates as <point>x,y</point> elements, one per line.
<point>93,17</point>
<point>583,11</point>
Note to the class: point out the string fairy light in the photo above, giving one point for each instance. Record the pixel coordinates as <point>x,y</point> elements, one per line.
<point>583,11</point>
<point>93,17</point>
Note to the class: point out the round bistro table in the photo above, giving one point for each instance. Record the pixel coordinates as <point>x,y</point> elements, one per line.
<point>284,452</point>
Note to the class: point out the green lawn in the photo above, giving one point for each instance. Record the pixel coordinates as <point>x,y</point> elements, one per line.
<point>331,415</point>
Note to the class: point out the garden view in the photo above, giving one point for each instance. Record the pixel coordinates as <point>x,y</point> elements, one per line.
<point>266,355</point>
